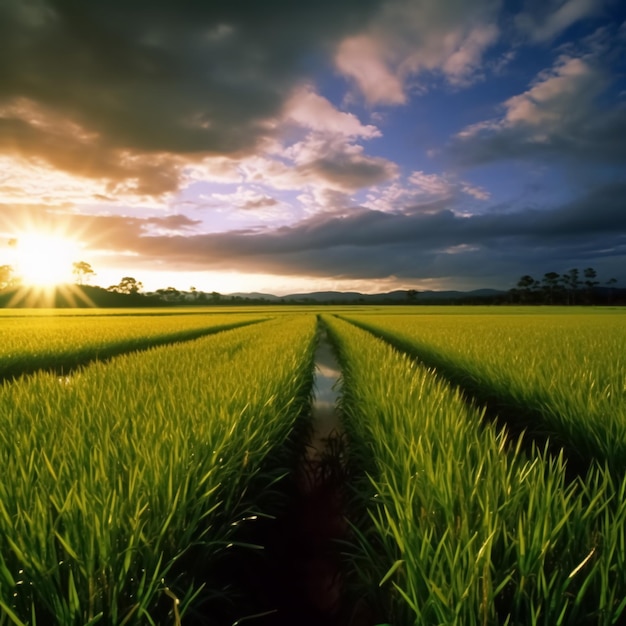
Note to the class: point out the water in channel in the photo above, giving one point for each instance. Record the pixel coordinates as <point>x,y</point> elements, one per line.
<point>321,479</point>
<point>299,580</point>
<point>325,422</point>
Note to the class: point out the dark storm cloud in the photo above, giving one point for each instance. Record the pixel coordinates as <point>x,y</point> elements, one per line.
<point>490,249</point>
<point>154,78</point>
<point>496,247</point>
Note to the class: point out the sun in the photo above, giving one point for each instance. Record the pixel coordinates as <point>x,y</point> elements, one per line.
<point>44,259</point>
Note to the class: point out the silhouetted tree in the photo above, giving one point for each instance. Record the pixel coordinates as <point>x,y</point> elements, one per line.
<point>571,283</point>
<point>82,271</point>
<point>526,285</point>
<point>216,296</point>
<point>590,277</point>
<point>590,281</point>
<point>550,285</point>
<point>567,288</point>
<point>128,285</point>
<point>6,276</point>
<point>170,293</point>
<point>412,294</point>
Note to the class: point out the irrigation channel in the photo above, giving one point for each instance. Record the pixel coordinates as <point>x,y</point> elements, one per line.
<point>297,578</point>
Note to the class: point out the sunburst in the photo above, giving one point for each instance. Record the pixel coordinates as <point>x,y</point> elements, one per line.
<point>43,262</point>
<point>43,259</point>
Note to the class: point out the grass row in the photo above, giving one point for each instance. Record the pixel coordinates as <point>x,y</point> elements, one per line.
<point>62,343</point>
<point>449,527</point>
<point>561,376</point>
<point>118,479</point>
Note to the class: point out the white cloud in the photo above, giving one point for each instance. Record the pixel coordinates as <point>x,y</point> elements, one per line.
<point>463,64</point>
<point>560,99</point>
<point>557,95</point>
<point>310,110</point>
<point>23,180</point>
<point>213,169</point>
<point>362,58</point>
<point>407,39</point>
<point>431,184</point>
<point>563,114</point>
<point>549,18</point>
<point>323,199</point>
<point>476,192</point>
<point>422,193</point>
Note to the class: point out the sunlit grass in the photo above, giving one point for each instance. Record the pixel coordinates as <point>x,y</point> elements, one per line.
<point>458,527</point>
<point>568,371</point>
<point>113,475</point>
<point>51,342</point>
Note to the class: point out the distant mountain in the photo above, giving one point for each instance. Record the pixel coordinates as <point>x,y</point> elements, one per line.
<point>355,296</point>
<point>253,295</point>
<point>458,295</point>
<point>326,296</point>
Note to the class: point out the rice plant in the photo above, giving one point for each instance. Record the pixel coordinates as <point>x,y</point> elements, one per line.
<point>567,372</point>
<point>63,342</point>
<point>450,525</point>
<point>114,477</point>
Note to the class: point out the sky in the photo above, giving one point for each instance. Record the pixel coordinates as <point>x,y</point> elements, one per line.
<point>283,146</point>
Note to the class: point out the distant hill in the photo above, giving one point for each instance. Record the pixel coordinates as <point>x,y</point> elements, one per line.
<point>355,296</point>
<point>254,295</point>
<point>72,296</point>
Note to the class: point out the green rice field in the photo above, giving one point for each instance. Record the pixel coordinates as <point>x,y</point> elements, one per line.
<point>483,463</point>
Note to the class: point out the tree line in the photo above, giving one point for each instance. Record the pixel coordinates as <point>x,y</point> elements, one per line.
<point>574,287</point>
<point>571,288</point>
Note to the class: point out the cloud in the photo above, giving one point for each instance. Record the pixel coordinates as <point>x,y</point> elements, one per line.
<point>310,110</point>
<point>424,193</point>
<point>175,224</point>
<point>323,199</point>
<point>114,91</point>
<point>558,116</point>
<point>431,184</point>
<point>407,39</point>
<point>544,20</point>
<point>476,192</point>
<point>371,244</point>
<point>29,130</point>
<point>341,166</point>
<point>213,169</point>
<point>246,202</point>
<point>21,180</point>
<point>362,58</point>
<point>110,107</point>
<point>360,244</point>
<point>319,161</point>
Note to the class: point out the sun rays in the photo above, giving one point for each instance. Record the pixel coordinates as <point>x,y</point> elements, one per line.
<point>43,265</point>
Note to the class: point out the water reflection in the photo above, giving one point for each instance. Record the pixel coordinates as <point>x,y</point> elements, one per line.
<point>325,420</point>
<point>320,519</point>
